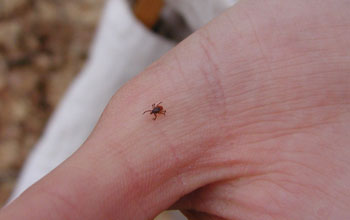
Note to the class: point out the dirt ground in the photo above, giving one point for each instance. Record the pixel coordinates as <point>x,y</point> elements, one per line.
<point>43,45</point>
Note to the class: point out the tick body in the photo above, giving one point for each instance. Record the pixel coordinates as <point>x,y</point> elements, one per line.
<point>156,109</point>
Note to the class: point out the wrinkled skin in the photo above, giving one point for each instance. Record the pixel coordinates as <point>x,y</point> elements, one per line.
<point>257,126</point>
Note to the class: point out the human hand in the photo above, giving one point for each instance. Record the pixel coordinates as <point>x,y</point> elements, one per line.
<point>256,127</point>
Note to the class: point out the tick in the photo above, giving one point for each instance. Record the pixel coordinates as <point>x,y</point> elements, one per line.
<point>156,109</point>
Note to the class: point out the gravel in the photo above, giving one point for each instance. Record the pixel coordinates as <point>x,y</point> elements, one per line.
<point>43,45</point>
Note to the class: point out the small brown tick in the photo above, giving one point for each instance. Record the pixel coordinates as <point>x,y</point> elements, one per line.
<point>156,109</point>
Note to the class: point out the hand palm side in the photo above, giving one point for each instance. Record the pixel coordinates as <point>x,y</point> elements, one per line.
<point>280,111</point>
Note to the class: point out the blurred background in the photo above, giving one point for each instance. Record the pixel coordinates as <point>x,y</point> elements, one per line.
<point>43,45</point>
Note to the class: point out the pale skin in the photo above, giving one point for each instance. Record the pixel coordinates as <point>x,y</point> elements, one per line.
<point>258,129</point>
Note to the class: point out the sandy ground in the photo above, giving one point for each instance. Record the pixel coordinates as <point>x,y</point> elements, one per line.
<point>43,45</point>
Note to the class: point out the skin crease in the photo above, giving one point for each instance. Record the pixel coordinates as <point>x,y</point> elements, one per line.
<point>257,127</point>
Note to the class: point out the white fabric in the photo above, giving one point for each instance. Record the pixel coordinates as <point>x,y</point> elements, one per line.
<point>199,12</point>
<point>122,49</point>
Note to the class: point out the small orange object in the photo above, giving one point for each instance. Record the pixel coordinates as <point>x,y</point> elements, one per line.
<point>148,11</point>
<point>156,109</point>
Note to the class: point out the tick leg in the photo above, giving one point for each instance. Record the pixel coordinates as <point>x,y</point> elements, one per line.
<point>153,105</point>
<point>162,112</point>
<point>147,111</point>
<point>155,117</point>
<point>159,103</point>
